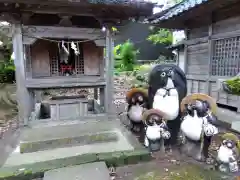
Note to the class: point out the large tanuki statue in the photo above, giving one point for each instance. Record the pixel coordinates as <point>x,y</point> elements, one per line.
<point>137,102</point>
<point>167,88</point>
<point>199,125</point>
<point>156,130</point>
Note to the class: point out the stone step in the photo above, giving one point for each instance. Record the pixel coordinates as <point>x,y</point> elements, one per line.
<point>90,171</point>
<point>122,144</point>
<point>229,118</point>
<point>63,129</point>
<point>27,147</point>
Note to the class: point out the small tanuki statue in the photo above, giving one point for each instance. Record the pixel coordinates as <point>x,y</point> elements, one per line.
<point>156,130</point>
<point>167,88</point>
<point>228,153</point>
<point>199,125</point>
<point>137,102</point>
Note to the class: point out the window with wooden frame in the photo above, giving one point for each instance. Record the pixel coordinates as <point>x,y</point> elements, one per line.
<point>226,57</point>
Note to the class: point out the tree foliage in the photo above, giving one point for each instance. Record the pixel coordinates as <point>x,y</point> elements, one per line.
<point>163,36</point>
<point>7,68</point>
<point>160,35</point>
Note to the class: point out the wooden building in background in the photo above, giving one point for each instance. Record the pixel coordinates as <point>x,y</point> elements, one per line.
<point>212,45</point>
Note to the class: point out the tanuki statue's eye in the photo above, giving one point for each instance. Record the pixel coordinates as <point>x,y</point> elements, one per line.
<point>140,98</point>
<point>163,74</point>
<point>150,121</point>
<point>158,121</point>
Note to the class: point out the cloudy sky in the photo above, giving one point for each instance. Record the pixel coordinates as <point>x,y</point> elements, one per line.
<point>165,3</point>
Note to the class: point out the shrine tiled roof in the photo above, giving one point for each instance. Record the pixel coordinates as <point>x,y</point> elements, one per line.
<point>118,2</point>
<point>176,10</point>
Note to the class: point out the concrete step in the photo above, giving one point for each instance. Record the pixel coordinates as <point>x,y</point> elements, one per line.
<point>40,145</point>
<point>122,144</point>
<point>63,129</point>
<point>230,119</point>
<point>90,171</point>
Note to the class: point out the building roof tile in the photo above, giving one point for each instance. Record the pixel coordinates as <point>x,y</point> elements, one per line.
<point>176,10</point>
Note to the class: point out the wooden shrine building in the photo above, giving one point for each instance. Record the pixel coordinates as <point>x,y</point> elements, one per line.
<point>66,44</point>
<point>212,44</point>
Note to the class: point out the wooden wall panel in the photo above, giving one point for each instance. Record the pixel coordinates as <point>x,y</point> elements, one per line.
<point>196,86</point>
<point>198,32</point>
<point>93,56</point>
<point>40,59</point>
<point>197,63</point>
<point>228,25</point>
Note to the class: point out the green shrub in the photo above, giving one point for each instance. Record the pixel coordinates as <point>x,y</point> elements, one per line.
<point>234,85</point>
<point>7,72</point>
<point>128,56</point>
<point>117,52</point>
<point>125,56</point>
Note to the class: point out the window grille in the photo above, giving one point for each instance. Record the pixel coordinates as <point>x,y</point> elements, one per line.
<point>226,57</point>
<point>79,64</point>
<point>54,64</point>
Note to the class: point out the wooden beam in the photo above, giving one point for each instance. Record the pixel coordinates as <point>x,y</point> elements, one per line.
<point>196,41</point>
<point>25,17</point>
<point>186,52</point>
<point>23,95</point>
<point>45,2</point>
<point>210,55</point>
<point>213,37</point>
<point>61,10</point>
<point>109,104</point>
<point>61,32</point>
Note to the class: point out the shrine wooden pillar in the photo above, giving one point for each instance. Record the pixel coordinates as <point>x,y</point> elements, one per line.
<point>109,65</point>
<point>24,97</point>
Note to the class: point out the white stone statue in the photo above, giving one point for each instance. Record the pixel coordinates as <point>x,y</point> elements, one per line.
<point>156,130</point>
<point>228,153</point>
<point>199,125</point>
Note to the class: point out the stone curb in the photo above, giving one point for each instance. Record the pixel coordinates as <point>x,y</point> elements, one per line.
<point>36,170</point>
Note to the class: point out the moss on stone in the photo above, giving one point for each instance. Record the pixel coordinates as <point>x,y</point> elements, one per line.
<point>137,155</point>
<point>189,172</point>
<point>36,170</point>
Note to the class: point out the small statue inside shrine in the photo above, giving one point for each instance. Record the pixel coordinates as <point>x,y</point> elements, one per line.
<point>137,102</point>
<point>228,153</point>
<point>156,130</point>
<point>67,56</point>
<point>199,125</point>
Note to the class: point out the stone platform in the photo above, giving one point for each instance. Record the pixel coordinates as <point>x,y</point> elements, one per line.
<point>119,147</point>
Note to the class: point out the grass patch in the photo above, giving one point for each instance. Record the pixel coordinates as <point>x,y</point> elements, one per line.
<point>184,173</point>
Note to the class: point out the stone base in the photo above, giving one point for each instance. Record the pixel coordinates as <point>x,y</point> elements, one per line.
<point>192,149</point>
<point>93,171</point>
<point>126,150</point>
